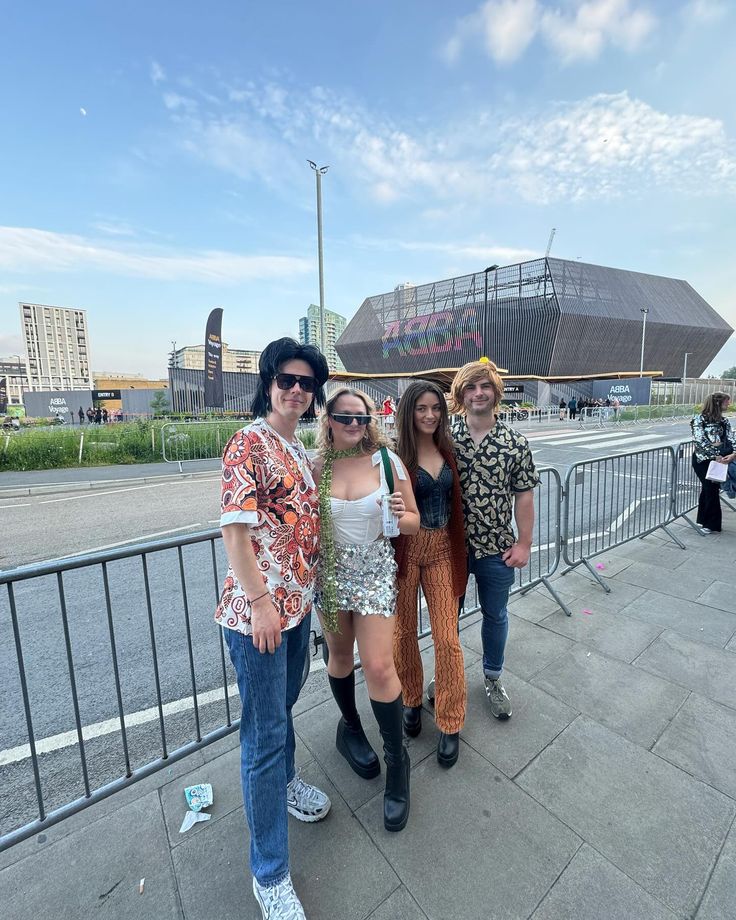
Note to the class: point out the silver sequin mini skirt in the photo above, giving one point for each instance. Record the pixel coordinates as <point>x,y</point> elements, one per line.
<point>365,577</point>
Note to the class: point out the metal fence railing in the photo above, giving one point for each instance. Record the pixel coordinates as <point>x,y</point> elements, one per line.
<point>114,666</point>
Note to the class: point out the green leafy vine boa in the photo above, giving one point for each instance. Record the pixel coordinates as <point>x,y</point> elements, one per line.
<point>328,580</point>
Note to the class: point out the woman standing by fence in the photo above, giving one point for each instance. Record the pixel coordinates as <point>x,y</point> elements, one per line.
<point>713,441</point>
<point>436,558</point>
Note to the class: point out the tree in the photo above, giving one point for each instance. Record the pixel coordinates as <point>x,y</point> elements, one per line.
<point>159,404</point>
<point>729,374</point>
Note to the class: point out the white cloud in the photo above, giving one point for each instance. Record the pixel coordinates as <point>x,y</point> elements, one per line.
<point>157,73</point>
<point>578,30</point>
<point>27,249</point>
<point>706,11</point>
<point>596,148</point>
<point>609,145</point>
<point>476,251</point>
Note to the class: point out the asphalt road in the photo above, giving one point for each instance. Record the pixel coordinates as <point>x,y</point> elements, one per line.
<point>41,527</point>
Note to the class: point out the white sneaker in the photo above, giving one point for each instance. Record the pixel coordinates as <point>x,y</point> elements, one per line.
<point>498,698</point>
<point>306,802</point>
<point>279,902</point>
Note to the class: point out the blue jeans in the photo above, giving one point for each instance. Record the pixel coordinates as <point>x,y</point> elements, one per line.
<point>494,580</point>
<point>269,686</point>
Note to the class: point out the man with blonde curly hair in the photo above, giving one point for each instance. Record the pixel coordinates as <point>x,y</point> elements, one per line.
<point>497,476</point>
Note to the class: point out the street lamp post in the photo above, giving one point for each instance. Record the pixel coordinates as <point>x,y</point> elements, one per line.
<point>645,312</point>
<point>319,171</point>
<point>486,316</point>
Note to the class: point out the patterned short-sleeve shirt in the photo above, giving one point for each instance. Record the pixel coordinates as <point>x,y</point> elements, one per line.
<point>490,473</point>
<point>267,484</point>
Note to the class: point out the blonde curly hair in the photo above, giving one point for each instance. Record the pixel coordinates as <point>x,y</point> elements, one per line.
<point>373,438</point>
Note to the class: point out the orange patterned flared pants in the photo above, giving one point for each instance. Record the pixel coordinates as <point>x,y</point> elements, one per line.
<point>428,564</point>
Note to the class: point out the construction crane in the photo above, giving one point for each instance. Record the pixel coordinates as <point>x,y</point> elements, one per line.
<point>549,241</point>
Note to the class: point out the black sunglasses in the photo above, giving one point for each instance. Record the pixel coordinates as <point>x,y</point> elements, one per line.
<point>345,419</point>
<point>287,381</point>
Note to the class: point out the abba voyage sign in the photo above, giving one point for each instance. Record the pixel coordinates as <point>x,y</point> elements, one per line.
<point>453,335</point>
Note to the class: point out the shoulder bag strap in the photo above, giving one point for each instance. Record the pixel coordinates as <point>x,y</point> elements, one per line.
<point>387,469</point>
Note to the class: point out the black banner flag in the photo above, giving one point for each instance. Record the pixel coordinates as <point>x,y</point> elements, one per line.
<point>213,395</point>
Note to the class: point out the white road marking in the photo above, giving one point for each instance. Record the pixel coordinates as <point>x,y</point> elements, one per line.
<point>137,539</point>
<point>111,726</point>
<point>578,433</point>
<point>588,436</point>
<point>642,437</point>
<point>10,507</point>
<point>153,485</point>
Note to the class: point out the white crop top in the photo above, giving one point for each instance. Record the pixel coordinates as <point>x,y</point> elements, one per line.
<point>360,520</point>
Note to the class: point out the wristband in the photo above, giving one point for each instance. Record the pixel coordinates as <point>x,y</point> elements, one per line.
<point>259,597</point>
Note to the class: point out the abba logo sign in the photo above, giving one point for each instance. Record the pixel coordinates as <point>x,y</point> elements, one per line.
<point>433,334</point>
<point>627,392</point>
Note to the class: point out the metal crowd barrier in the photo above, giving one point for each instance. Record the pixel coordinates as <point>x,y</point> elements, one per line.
<point>134,616</point>
<point>184,442</point>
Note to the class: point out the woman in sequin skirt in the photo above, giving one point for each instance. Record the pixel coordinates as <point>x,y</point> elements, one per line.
<point>357,585</point>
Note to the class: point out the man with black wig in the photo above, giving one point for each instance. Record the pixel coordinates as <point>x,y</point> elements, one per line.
<point>270,528</point>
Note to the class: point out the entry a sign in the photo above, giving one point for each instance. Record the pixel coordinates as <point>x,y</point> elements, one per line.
<point>513,392</point>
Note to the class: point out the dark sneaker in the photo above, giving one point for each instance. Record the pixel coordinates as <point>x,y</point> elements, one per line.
<point>306,802</point>
<point>279,902</point>
<point>498,698</point>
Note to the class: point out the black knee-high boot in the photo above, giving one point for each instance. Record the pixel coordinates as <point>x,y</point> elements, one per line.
<point>396,797</point>
<point>351,741</point>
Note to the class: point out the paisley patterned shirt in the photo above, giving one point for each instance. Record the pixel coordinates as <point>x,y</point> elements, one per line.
<point>490,473</point>
<point>267,484</point>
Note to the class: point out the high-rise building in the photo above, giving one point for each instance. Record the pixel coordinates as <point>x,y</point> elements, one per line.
<point>57,345</point>
<point>309,334</point>
<point>14,374</point>
<point>234,360</point>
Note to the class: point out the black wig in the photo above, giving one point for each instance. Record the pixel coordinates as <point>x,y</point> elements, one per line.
<point>273,357</point>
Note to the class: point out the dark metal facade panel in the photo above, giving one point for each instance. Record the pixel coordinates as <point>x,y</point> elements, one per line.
<point>186,387</point>
<point>548,317</point>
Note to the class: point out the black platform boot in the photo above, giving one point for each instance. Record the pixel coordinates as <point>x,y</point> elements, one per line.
<point>412,720</point>
<point>396,797</point>
<point>351,741</point>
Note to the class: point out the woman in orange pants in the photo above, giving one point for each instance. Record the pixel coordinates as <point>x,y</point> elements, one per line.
<point>435,558</point>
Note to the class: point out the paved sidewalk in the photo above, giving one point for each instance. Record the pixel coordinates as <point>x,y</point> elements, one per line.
<point>611,793</point>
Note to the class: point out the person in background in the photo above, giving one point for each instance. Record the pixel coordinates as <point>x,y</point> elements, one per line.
<point>572,408</point>
<point>714,440</point>
<point>271,529</point>
<point>357,585</point>
<point>81,415</point>
<point>105,415</point>
<point>498,477</point>
<point>90,415</point>
<point>563,410</point>
<point>436,559</point>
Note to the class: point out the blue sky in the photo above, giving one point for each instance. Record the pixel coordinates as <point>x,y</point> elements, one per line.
<point>153,162</point>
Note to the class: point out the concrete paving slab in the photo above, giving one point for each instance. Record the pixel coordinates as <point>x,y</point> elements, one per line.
<point>96,871</point>
<point>618,695</point>
<point>591,886</point>
<point>658,579</point>
<point>317,729</point>
<point>324,857</point>
<point>535,605</point>
<point>666,555</point>
<point>612,634</point>
<point>99,811</point>
<point>719,901</point>
<point>475,845</point>
<point>719,595</point>
<point>702,623</point>
<point>701,739</point>
<point>590,595</point>
<point>399,906</point>
<point>709,671</point>
<point>659,826</point>
<point>223,773</point>
<point>509,745</point>
<point>704,563</point>
<point>529,647</point>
